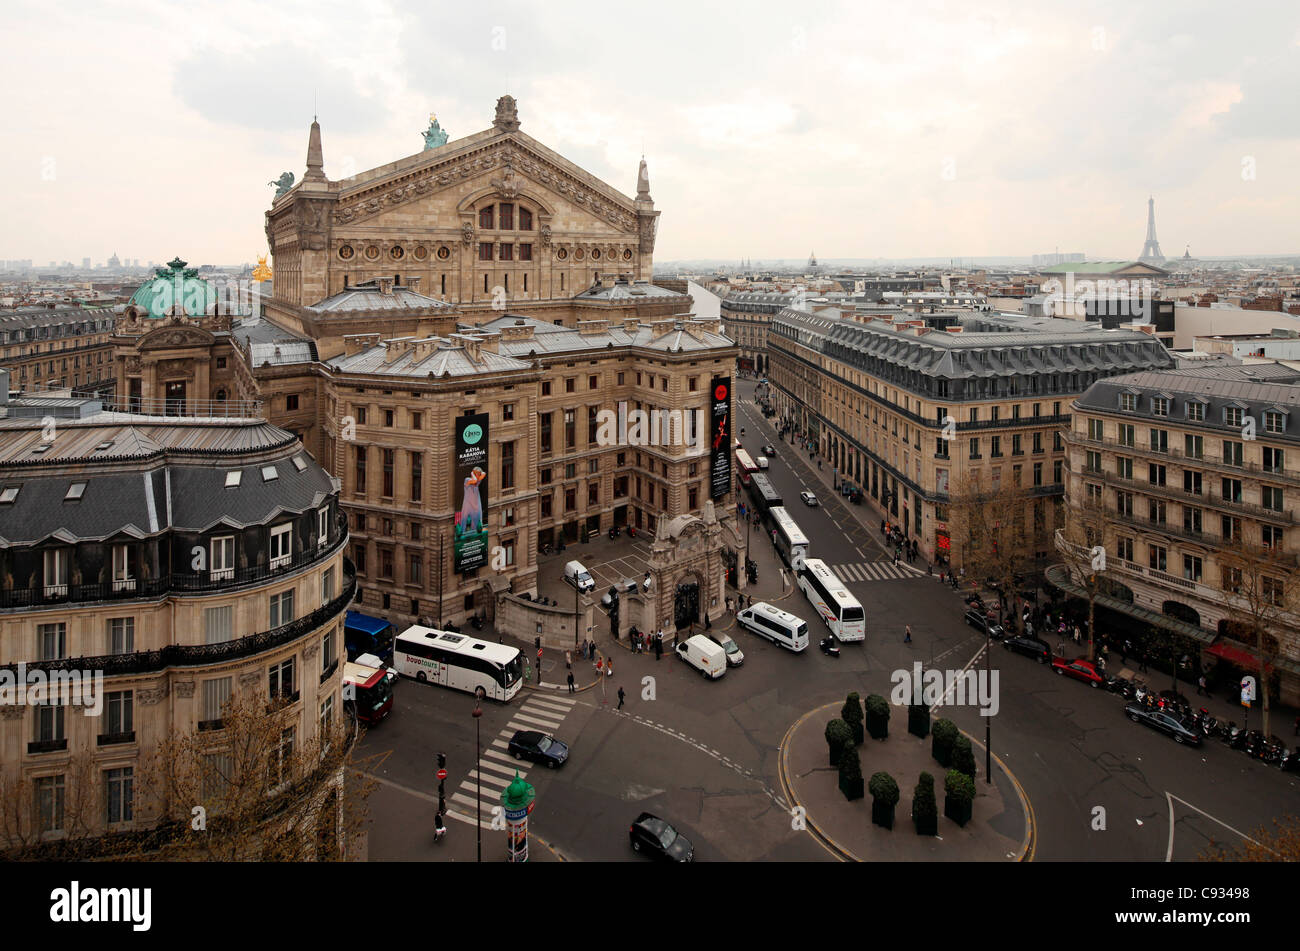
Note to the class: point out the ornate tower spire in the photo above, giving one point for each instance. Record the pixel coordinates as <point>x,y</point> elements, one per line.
<point>643,182</point>
<point>1151,249</point>
<point>315,157</point>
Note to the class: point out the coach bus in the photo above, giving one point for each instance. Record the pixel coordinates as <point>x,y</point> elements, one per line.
<point>745,466</point>
<point>790,540</point>
<point>841,611</point>
<point>764,494</point>
<point>459,662</point>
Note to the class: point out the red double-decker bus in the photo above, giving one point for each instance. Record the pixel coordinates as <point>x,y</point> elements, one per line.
<point>745,466</point>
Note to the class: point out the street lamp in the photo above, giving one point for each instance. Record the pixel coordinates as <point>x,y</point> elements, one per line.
<point>479,693</point>
<point>988,720</point>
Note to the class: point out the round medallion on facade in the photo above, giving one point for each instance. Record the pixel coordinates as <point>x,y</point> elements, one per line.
<point>372,252</point>
<point>562,253</point>
<point>627,254</point>
<point>595,254</point>
<point>346,252</point>
<point>396,252</point>
<point>443,253</point>
<point>579,254</point>
<point>421,253</point>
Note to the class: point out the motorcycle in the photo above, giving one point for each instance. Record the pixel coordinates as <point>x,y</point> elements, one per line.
<point>829,647</point>
<point>614,533</point>
<point>1290,762</point>
<point>476,622</point>
<point>631,531</point>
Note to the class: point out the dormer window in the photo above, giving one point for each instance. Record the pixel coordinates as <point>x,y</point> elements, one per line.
<point>322,527</point>
<point>1128,402</point>
<point>281,546</point>
<point>1274,422</point>
<point>299,463</point>
<point>233,478</point>
<point>75,492</point>
<point>122,580</point>
<point>1195,411</point>
<point>270,473</point>
<point>8,494</point>
<point>221,551</point>
<point>1159,406</point>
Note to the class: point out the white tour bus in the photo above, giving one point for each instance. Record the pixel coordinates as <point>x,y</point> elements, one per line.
<point>458,661</point>
<point>779,627</point>
<point>791,542</point>
<point>841,611</point>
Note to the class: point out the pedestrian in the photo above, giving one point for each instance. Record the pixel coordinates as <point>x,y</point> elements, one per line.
<point>708,625</point>
<point>1125,651</point>
<point>568,660</point>
<point>1060,648</point>
<point>1077,634</point>
<point>621,697</point>
<point>1200,685</point>
<point>584,647</point>
<point>659,648</point>
<point>609,667</point>
<point>907,634</point>
<point>571,690</point>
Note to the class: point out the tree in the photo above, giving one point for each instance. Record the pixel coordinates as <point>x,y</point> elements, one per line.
<point>884,797</point>
<point>925,809</point>
<point>850,772</point>
<point>852,715</point>
<point>989,517</point>
<point>1260,585</point>
<point>1281,843</point>
<point>1082,547</point>
<point>838,735</point>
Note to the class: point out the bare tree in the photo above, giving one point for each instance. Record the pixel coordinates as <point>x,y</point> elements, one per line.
<point>55,821</point>
<point>1260,585</point>
<point>1281,843</point>
<point>990,523</point>
<point>1081,543</point>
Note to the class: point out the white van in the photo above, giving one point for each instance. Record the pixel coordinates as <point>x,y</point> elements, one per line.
<point>578,576</point>
<point>762,462</point>
<point>704,655</point>
<point>779,627</point>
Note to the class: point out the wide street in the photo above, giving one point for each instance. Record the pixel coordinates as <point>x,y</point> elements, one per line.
<point>704,754</point>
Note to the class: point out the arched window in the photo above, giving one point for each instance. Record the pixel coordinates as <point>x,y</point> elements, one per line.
<point>486,218</point>
<point>221,396</point>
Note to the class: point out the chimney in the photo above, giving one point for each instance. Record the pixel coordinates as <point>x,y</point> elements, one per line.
<point>471,345</point>
<point>489,341</point>
<point>413,283</point>
<point>589,328</point>
<point>630,324</point>
<point>386,286</point>
<point>355,343</point>
<point>660,327</point>
<point>395,348</point>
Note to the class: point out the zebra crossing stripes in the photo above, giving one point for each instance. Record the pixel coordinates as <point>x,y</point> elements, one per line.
<point>875,571</point>
<point>497,768</point>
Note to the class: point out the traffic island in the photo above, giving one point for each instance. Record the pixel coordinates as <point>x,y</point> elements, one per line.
<point>1000,827</point>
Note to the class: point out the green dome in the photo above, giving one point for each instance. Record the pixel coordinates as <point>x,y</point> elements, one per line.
<point>174,283</point>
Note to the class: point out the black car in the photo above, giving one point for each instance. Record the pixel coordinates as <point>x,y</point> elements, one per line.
<point>1165,722</point>
<point>1029,646</point>
<point>982,623</point>
<point>770,451</point>
<point>538,747</point>
<point>651,834</point>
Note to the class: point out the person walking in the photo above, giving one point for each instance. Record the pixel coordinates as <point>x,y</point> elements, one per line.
<point>907,634</point>
<point>1125,651</point>
<point>609,667</point>
<point>568,660</point>
<point>1142,664</point>
<point>571,689</point>
<point>659,647</point>
<point>621,697</point>
<point>1200,685</point>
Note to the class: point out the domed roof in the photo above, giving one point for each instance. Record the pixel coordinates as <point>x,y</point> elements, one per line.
<point>174,284</point>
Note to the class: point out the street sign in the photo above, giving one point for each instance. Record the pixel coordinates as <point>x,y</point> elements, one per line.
<point>442,774</point>
<point>1247,690</point>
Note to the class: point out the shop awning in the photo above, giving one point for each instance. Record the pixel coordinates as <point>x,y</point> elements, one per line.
<point>1236,655</point>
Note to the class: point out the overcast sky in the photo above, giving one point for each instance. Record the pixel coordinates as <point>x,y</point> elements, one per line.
<point>771,129</point>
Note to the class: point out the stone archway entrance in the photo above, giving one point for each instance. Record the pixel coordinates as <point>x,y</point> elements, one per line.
<point>686,602</point>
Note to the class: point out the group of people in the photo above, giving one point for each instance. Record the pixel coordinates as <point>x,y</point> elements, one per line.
<point>644,643</point>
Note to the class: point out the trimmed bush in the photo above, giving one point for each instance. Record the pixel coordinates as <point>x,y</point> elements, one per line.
<point>944,733</point>
<point>918,720</point>
<point>884,797</point>
<point>852,715</point>
<point>877,716</point>
<point>959,796</point>
<point>838,735</point>
<point>925,809</point>
<point>963,757</point>
<point>850,773</point>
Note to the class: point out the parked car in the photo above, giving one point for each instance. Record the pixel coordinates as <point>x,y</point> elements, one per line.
<point>704,655</point>
<point>983,623</point>
<point>1029,646</point>
<point>735,657</point>
<point>1164,722</point>
<point>808,497</point>
<point>653,835</point>
<point>538,747</point>
<point>1079,669</point>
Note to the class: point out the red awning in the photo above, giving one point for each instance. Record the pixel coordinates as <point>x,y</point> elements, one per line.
<point>1236,655</point>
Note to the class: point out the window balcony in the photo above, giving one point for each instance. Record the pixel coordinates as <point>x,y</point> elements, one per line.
<point>123,584</point>
<point>113,739</point>
<point>47,746</point>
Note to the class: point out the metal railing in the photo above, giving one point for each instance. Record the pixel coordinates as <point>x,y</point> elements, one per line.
<point>1207,461</point>
<point>197,655</point>
<point>1200,500</point>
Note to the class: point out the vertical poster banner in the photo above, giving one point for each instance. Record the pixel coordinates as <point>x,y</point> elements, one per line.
<point>720,438</point>
<point>470,537</point>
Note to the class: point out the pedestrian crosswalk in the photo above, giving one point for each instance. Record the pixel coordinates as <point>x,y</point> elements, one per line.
<point>876,571</point>
<point>496,769</point>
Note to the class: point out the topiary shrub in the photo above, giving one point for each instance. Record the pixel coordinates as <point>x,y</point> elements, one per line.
<point>963,757</point>
<point>959,796</point>
<point>884,797</point>
<point>838,735</point>
<point>925,810</point>
<point>918,720</point>
<point>850,773</point>
<point>852,715</point>
<point>877,716</point>
<point>944,733</point>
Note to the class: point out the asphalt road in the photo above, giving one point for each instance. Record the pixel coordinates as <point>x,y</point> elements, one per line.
<point>703,754</point>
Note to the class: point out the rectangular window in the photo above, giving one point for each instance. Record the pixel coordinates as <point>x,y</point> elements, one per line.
<point>51,641</point>
<point>1195,411</point>
<point>1057,470</point>
<point>221,554</point>
<point>1159,406</point>
<point>1272,498</point>
<point>525,219</point>
<point>1093,463</point>
<point>1128,402</point>
<point>975,448</point>
<point>1192,565</point>
<point>1191,520</point>
<point>360,481</point>
<point>506,252</point>
<point>486,217</point>
<point>1124,467</point>
<point>1124,549</point>
<point>121,635</point>
<point>1232,453</point>
<point>570,428</point>
<point>119,789</point>
<point>49,802</point>
<point>119,712</point>
<point>49,722</point>
<point>414,569</point>
<point>1155,474</point>
<point>417,420</point>
<point>525,254</point>
<point>389,455</point>
<point>1159,440</point>
<point>281,608</point>
<point>1274,422</point>
<point>1038,473</point>
<point>1124,504</point>
<point>1194,446</point>
<point>545,430</point>
<point>592,425</point>
<point>327,585</point>
<point>1126,435</point>
<point>1271,537</point>
<point>417,476</point>
<point>485,254</point>
<point>506,210</point>
<point>122,580</point>
<point>280,679</point>
<point>218,624</point>
<point>1096,430</point>
<point>1230,526</point>
<point>322,527</point>
<point>546,503</point>
<point>1157,558</point>
<point>1273,459</point>
<point>281,546</point>
<point>570,499</point>
<point>56,572</point>
<point>1232,416</point>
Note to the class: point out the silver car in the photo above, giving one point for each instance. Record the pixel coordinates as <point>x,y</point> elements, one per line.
<point>735,657</point>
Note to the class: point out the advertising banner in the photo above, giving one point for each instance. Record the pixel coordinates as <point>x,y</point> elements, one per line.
<point>470,537</point>
<point>720,438</point>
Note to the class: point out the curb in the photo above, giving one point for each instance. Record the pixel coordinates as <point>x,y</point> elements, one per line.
<point>564,688</point>
<point>1030,842</point>
<point>821,838</point>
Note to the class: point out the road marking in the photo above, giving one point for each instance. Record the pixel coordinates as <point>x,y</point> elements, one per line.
<point>1169,853</point>
<point>509,769</point>
<point>497,754</point>
<point>549,724</point>
<point>488,779</point>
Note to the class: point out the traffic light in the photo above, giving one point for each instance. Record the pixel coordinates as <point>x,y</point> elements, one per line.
<point>442,760</point>
<point>537,643</point>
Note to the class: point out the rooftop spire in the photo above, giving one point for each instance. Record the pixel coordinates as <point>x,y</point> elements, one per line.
<point>315,157</point>
<point>643,182</point>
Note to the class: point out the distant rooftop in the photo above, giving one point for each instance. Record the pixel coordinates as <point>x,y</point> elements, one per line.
<point>370,295</point>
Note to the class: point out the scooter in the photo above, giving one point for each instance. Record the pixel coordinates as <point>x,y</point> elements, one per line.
<point>476,622</point>
<point>828,646</point>
<point>1290,763</point>
<point>631,531</point>
<point>614,533</point>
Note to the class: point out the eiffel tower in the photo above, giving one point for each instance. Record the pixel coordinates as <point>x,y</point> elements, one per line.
<point>1151,250</point>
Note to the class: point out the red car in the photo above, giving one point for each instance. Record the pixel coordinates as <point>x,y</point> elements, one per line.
<point>1079,669</point>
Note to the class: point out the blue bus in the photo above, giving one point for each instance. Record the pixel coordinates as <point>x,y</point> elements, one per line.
<point>364,634</point>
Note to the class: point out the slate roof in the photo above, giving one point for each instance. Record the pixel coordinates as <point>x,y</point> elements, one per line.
<point>156,475</point>
<point>622,291</point>
<point>552,338</point>
<point>367,296</point>
<point>445,358</point>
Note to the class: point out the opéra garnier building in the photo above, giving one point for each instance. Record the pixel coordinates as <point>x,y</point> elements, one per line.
<point>484,276</point>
